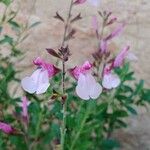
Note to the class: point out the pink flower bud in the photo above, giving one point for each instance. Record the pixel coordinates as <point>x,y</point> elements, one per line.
<point>6,128</point>
<point>24,104</point>
<point>103,46</point>
<point>94,23</point>
<point>121,57</point>
<point>80,1</point>
<point>112,20</point>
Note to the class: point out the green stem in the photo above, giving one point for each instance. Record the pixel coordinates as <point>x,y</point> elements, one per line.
<point>81,128</point>
<point>63,129</point>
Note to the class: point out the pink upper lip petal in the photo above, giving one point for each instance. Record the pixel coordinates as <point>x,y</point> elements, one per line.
<point>76,71</point>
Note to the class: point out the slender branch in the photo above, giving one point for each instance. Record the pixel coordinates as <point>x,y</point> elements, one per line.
<point>63,129</point>
<point>67,23</point>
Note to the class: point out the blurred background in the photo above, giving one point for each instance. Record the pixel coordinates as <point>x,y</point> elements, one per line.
<point>48,34</point>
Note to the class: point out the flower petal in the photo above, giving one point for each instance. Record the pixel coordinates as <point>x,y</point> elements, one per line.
<point>81,88</point>
<point>110,81</point>
<point>43,82</point>
<point>115,81</point>
<point>76,71</point>
<point>28,85</point>
<point>96,91</point>
<point>106,82</point>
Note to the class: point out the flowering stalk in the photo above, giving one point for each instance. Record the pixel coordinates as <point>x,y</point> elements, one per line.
<point>63,128</point>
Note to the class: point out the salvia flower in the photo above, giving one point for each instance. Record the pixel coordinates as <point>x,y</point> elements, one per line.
<point>24,104</point>
<point>87,87</point>
<point>110,80</point>
<point>6,128</point>
<point>39,81</point>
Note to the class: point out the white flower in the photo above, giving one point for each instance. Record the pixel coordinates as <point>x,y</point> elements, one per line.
<point>110,81</point>
<point>87,87</point>
<point>38,82</point>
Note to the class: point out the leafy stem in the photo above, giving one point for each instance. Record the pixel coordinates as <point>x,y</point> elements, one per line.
<point>81,127</point>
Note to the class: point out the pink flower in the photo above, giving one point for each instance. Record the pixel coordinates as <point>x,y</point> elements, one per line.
<point>80,1</point>
<point>39,81</point>
<point>52,70</point>
<point>121,57</point>
<point>6,128</point>
<point>24,104</point>
<point>87,87</point>
<point>110,80</point>
<point>75,72</point>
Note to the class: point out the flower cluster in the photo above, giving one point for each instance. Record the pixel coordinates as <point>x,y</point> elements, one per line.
<point>87,87</point>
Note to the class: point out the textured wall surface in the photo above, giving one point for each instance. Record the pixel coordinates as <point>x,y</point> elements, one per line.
<point>137,33</point>
<point>134,12</point>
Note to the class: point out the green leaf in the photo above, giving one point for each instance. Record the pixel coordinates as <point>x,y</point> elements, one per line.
<point>121,97</point>
<point>14,24</point>
<point>129,76</point>
<point>6,2</point>
<point>102,107</point>
<point>131,110</point>
<point>121,123</point>
<point>110,144</point>
<point>139,87</point>
<point>35,24</point>
<point>1,28</point>
<point>146,95</point>
<point>120,114</point>
<point>7,39</point>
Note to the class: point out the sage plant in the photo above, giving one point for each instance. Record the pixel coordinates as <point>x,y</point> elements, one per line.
<point>75,108</point>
